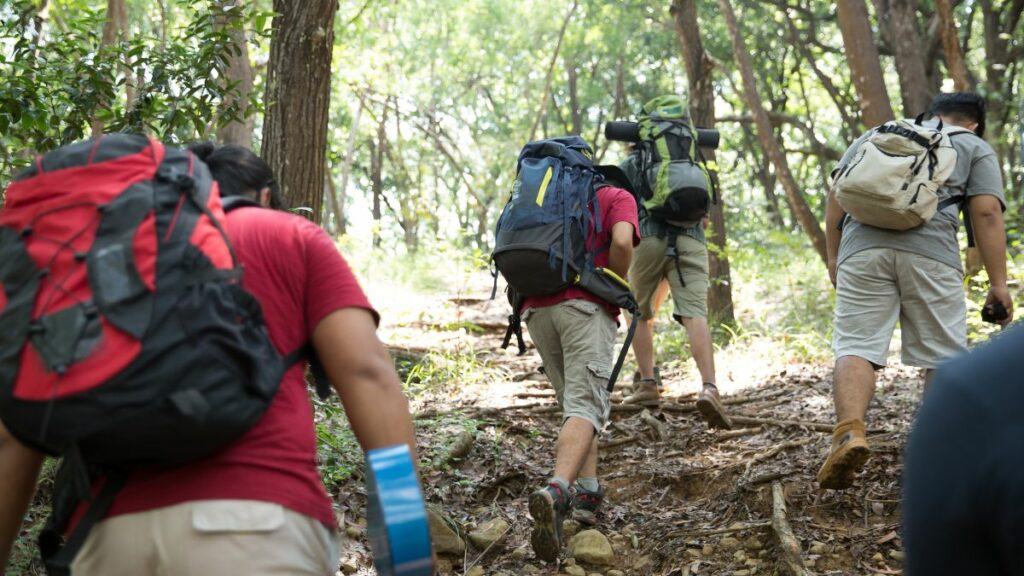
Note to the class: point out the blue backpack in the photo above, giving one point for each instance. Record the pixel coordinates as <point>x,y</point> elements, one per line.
<point>541,246</point>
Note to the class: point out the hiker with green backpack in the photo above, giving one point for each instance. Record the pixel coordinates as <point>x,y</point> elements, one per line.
<point>564,243</point>
<point>893,255</point>
<point>668,170</point>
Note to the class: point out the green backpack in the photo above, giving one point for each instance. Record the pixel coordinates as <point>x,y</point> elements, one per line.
<point>674,181</point>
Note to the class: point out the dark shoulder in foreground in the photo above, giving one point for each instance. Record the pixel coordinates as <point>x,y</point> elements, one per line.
<point>991,374</point>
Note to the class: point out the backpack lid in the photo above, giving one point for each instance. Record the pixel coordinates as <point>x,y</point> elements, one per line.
<point>667,107</point>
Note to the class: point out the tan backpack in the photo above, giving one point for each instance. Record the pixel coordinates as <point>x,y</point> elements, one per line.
<point>893,179</point>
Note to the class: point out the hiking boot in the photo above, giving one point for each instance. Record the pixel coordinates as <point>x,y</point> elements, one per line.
<point>711,408</point>
<point>631,386</point>
<point>645,393</point>
<point>547,506</point>
<point>849,453</point>
<point>585,505</point>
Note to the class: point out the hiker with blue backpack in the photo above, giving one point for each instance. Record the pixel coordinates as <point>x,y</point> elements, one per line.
<point>160,347</point>
<point>564,244</point>
<point>893,255</point>
<point>667,168</point>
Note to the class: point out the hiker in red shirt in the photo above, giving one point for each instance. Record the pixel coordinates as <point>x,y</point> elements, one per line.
<point>574,332</point>
<point>260,506</point>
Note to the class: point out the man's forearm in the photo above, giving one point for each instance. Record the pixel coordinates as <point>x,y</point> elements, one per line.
<point>376,407</point>
<point>619,259</point>
<point>990,237</point>
<point>20,468</point>
<point>833,235</point>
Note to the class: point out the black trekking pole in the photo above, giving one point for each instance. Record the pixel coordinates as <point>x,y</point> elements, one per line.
<point>634,311</point>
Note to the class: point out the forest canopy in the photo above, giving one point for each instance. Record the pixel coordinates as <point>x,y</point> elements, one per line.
<point>428,101</point>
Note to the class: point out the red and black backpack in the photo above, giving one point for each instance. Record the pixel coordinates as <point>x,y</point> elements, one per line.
<point>128,340</point>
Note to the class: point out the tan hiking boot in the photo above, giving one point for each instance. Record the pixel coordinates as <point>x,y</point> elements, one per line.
<point>849,453</point>
<point>645,393</point>
<point>711,408</point>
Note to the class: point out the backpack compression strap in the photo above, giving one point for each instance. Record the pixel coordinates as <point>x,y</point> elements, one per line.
<point>515,326</point>
<point>58,558</point>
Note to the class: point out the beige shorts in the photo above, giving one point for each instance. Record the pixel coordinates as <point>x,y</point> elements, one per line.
<point>209,537</point>
<point>651,266</point>
<point>576,341</point>
<point>877,287</point>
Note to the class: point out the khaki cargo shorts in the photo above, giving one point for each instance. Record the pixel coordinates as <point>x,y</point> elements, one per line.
<point>209,537</point>
<point>576,341</point>
<point>651,266</point>
<point>877,287</point>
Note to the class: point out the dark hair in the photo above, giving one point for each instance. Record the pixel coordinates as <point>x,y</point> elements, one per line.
<point>961,105</point>
<point>238,171</point>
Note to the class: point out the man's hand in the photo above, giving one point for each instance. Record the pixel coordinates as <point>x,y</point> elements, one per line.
<point>833,270</point>
<point>1001,294</point>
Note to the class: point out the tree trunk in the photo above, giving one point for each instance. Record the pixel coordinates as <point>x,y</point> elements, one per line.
<point>376,180</point>
<point>898,21</point>
<point>699,68</point>
<point>238,73</point>
<point>955,63</point>
<point>346,169</point>
<point>865,66</point>
<point>298,99</point>
<point>332,198</point>
<point>542,113</point>
<point>115,29</point>
<point>802,212</point>
<point>574,100</point>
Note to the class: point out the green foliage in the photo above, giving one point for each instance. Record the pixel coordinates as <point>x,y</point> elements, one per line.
<point>339,455</point>
<point>59,78</point>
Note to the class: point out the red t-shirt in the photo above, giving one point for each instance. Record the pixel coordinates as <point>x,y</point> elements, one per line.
<point>616,205</point>
<point>298,276</point>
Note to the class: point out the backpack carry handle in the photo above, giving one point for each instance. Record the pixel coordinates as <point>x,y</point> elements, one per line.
<point>920,121</point>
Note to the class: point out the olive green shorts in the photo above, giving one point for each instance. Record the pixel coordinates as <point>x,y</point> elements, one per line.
<point>651,266</point>
<point>576,341</point>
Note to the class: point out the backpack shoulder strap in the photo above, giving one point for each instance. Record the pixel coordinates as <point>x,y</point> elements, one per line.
<point>320,379</point>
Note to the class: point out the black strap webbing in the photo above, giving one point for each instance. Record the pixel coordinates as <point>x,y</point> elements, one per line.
<point>59,564</point>
<point>316,368</point>
<point>515,326</point>
<point>673,253</point>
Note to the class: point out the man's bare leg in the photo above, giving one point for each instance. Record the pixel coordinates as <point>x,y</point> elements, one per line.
<point>576,447</point>
<point>853,387</point>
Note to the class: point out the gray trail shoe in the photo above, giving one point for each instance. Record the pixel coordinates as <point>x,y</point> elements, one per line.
<point>548,505</point>
<point>585,505</point>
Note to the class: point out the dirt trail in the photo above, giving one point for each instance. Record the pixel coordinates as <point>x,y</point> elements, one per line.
<point>695,502</point>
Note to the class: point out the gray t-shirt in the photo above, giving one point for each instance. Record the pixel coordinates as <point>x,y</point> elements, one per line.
<point>976,173</point>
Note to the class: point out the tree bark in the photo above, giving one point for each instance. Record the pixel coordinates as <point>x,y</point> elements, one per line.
<point>699,69</point>
<point>237,74</point>
<point>298,99</point>
<point>962,80</point>
<point>865,65</point>
<point>802,212</point>
<point>898,21</point>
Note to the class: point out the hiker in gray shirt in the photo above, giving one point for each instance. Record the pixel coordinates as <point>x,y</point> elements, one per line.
<point>913,276</point>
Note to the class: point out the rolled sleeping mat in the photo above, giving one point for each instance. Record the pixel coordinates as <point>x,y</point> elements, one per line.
<point>396,515</point>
